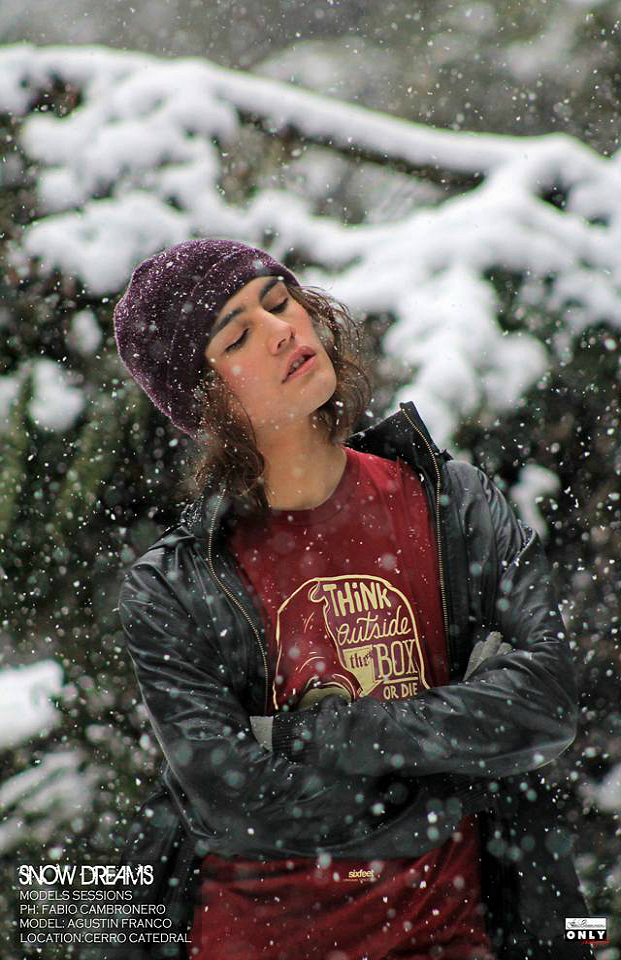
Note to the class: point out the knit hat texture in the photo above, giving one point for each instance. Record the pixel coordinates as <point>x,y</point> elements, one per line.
<point>164,319</point>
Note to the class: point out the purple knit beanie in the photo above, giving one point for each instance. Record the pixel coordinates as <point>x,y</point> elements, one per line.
<point>164,319</point>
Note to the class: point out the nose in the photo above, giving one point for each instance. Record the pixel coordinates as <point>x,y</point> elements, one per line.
<point>279,333</point>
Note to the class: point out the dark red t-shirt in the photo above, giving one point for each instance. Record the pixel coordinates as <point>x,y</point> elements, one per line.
<point>350,595</point>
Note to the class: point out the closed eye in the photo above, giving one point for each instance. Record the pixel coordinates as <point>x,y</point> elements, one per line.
<point>237,343</point>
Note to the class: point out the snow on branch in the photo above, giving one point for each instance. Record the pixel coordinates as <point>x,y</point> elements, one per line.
<point>35,803</point>
<point>137,165</point>
<point>25,707</point>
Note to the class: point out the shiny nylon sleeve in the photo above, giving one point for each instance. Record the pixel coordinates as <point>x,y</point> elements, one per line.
<point>516,713</point>
<point>240,798</point>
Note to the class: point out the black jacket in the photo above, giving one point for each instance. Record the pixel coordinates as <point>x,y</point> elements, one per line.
<point>481,746</point>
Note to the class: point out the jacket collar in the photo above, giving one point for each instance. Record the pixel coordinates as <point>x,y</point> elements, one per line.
<point>402,435</point>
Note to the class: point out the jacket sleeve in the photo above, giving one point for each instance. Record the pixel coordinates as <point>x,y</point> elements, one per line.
<point>238,797</point>
<point>515,713</point>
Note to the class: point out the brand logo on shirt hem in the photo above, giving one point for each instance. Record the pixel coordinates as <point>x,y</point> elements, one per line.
<point>362,875</point>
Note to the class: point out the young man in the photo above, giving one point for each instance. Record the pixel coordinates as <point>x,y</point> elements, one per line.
<point>360,775</point>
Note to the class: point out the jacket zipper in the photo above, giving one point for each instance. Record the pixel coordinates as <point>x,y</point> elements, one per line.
<point>438,538</point>
<point>502,865</point>
<point>233,598</point>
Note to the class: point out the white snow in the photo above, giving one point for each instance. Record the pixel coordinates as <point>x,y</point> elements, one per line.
<point>100,241</point>
<point>55,402</point>
<point>84,334</point>
<point>36,802</point>
<point>25,707</point>
<point>608,792</point>
<point>604,794</point>
<point>534,483</point>
<point>138,167</point>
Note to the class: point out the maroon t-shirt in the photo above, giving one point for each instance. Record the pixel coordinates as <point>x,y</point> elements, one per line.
<point>350,595</point>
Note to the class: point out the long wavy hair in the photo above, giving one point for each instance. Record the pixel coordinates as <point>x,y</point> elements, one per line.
<point>229,452</point>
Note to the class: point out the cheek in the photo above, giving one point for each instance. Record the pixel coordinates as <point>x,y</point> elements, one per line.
<point>244,381</point>
<point>236,373</point>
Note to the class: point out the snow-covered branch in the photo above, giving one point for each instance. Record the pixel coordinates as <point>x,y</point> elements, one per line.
<point>137,166</point>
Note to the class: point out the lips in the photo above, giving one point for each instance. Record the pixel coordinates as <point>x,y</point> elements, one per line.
<point>302,353</point>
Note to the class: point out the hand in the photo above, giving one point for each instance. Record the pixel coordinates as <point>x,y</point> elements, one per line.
<point>492,646</point>
<point>262,726</point>
<point>262,729</point>
<point>315,694</point>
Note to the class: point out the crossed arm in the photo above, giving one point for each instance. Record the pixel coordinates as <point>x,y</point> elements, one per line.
<point>234,794</point>
<point>263,727</point>
<point>354,779</point>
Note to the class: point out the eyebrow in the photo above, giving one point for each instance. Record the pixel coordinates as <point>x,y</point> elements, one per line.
<point>219,324</point>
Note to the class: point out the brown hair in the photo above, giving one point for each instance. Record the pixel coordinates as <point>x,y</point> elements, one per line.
<point>230,453</point>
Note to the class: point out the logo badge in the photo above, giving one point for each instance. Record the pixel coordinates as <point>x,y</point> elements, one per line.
<point>593,930</point>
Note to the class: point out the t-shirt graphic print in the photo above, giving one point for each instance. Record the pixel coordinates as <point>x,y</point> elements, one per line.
<point>373,643</point>
<point>349,590</point>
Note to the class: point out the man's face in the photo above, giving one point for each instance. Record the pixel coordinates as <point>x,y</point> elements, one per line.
<point>253,349</point>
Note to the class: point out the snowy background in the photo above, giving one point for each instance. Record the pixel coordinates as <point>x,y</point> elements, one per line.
<point>486,264</point>
<point>137,168</point>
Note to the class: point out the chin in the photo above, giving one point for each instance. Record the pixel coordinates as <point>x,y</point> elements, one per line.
<point>324,390</point>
